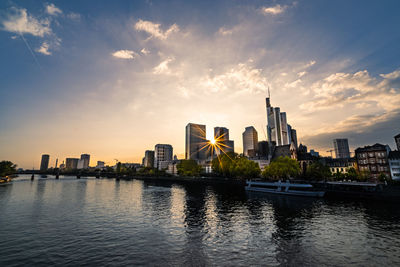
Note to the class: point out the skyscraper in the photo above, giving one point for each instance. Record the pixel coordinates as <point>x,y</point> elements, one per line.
<point>221,135</point>
<point>195,142</point>
<point>250,142</point>
<point>86,160</point>
<point>44,164</point>
<point>341,148</point>
<point>278,130</point>
<point>397,140</point>
<point>148,158</point>
<point>162,153</point>
<point>71,163</point>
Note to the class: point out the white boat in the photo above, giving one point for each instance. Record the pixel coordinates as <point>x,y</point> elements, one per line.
<point>284,188</point>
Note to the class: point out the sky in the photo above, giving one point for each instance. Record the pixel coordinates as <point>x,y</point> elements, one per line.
<point>115,78</point>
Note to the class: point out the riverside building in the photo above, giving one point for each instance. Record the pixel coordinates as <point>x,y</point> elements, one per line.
<point>44,164</point>
<point>342,150</point>
<point>148,158</point>
<point>195,142</point>
<point>373,159</point>
<point>250,142</point>
<point>278,130</point>
<point>221,135</point>
<point>163,155</point>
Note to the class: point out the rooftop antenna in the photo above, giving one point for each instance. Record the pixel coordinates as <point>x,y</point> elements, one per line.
<point>269,94</point>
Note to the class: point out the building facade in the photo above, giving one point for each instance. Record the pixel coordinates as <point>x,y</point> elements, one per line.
<point>278,130</point>
<point>223,144</point>
<point>341,165</point>
<point>100,164</point>
<point>148,158</point>
<point>86,161</point>
<point>195,142</point>
<point>71,163</point>
<point>397,140</point>
<point>373,159</point>
<point>250,142</point>
<point>394,164</point>
<point>341,147</point>
<point>163,154</point>
<point>44,163</point>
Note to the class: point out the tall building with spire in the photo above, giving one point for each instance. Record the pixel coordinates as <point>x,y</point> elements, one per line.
<point>278,130</point>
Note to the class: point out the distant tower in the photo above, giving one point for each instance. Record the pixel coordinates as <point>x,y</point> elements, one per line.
<point>86,160</point>
<point>195,142</point>
<point>342,150</point>
<point>148,158</point>
<point>162,152</point>
<point>250,142</point>
<point>44,164</point>
<point>277,126</point>
<point>397,139</point>
<point>56,163</point>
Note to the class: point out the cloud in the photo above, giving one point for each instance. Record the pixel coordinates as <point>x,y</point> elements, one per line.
<point>355,88</point>
<point>52,10</point>
<point>44,49</point>
<point>124,54</point>
<point>241,78</point>
<point>163,68</point>
<point>154,29</point>
<point>21,22</point>
<point>273,10</point>
<point>223,31</point>
<point>301,74</point>
<point>74,16</point>
<point>144,51</point>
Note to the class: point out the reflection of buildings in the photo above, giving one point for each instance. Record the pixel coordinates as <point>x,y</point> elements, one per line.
<point>163,154</point>
<point>250,142</point>
<point>44,164</point>
<point>195,142</point>
<point>342,150</point>
<point>373,159</point>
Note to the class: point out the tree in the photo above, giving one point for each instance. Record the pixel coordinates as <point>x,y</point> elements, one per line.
<point>352,174</point>
<point>383,178</point>
<point>7,168</point>
<point>282,168</point>
<point>318,171</point>
<point>188,168</point>
<point>231,165</point>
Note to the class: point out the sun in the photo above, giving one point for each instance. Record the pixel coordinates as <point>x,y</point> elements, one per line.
<point>213,141</point>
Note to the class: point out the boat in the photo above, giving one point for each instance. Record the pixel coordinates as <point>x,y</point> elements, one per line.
<point>283,188</point>
<point>5,180</point>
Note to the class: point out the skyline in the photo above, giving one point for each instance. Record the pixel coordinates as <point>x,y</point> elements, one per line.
<point>115,79</point>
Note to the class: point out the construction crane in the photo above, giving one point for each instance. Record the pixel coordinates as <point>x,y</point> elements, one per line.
<point>331,152</point>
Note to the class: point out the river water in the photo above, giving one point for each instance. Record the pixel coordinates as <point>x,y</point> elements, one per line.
<point>100,222</point>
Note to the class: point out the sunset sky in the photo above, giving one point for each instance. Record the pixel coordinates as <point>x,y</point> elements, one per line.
<point>114,78</point>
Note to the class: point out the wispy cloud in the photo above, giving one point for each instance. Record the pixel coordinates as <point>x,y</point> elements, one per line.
<point>163,67</point>
<point>273,10</point>
<point>22,23</point>
<point>51,9</point>
<point>44,49</point>
<point>144,51</point>
<point>124,54</point>
<point>154,29</point>
<point>355,88</point>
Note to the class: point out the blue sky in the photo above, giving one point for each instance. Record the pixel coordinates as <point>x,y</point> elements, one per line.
<point>114,78</point>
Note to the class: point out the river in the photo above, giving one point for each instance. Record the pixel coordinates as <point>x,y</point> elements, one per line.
<point>99,222</point>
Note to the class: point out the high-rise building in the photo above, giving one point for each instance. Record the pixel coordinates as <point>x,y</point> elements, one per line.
<point>44,164</point>
<point>250,142</point>
<point>224,145</point>
<point>195,145</point>
<point>71,163</point>
<point>342,150</point>
<point>292,136</point>
<point>397,139</point>
<point>162,153</point>
<point>278,130</point>
<point>100,164</point>
<point>148,158</point>
<point>263,149</point>
<point>86,160</point>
